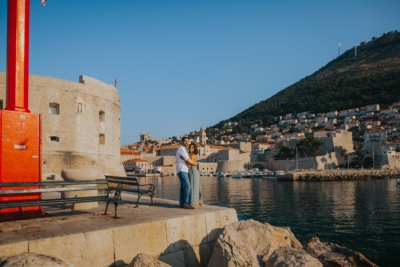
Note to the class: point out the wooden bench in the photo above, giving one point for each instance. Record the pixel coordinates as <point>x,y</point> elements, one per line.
<point>129,184</point>
<point>105,187</point>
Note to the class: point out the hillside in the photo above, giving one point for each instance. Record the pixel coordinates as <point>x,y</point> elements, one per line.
<point>372,76</point>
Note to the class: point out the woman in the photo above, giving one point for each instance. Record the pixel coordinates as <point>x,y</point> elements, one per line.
<point>196,200</point>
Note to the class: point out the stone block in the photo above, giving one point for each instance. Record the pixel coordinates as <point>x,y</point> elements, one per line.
<point>73,194</point>
<point>192,256</point>
<point>84,249</point>
<point>8,250</point>
<point>183,233</point>
<point>206,251</point>
<point>198,256</point>
<point>175,259</point>
<point>217,220</point>
<point>146,238</point>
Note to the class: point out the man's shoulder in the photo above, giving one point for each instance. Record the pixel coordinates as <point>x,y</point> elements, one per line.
<point>180,149</point>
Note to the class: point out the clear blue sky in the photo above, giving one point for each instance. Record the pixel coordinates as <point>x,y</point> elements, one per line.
<point>184,64</point>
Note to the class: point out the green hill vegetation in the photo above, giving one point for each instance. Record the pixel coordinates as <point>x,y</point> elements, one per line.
<point>349,81</point>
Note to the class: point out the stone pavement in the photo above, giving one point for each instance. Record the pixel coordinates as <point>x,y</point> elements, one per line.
<point>177,236</point>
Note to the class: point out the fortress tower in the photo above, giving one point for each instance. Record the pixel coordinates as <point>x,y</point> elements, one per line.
<point>80,124</point>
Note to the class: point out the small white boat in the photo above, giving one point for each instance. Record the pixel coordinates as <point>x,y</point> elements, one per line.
<point>237,175</point>
<point>269,176</point>
<point>247,175</point>
<point>221,174</point>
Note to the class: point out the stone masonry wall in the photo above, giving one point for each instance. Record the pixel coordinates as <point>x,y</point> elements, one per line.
<point>88,110</point>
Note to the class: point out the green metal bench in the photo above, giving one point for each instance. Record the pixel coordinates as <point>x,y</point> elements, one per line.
<point>129,184</point>
<point>105,189</point>
<point>56,186</point>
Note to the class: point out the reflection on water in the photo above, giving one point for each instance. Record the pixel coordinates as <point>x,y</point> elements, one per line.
<point>361,215</point>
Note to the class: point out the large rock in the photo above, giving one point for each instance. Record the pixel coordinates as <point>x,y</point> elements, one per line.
<point>292,257</point>
<point>32,260</point>
<point>250,243</point>
<point>144,260</point>
<point>331,254</point>
<point>81,175</point>
<point>230,250</point>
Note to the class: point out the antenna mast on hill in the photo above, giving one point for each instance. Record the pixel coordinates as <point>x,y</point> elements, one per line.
<point>339,49</point>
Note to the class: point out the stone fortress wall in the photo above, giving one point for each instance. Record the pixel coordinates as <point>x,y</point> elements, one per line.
<point>84,130</point>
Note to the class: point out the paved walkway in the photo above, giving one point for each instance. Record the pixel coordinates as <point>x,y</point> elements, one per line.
<point>67,221</point>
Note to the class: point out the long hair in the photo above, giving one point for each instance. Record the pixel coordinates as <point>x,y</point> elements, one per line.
<point>196,151</point>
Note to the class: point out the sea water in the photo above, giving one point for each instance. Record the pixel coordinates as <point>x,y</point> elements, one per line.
<point>361,215</point>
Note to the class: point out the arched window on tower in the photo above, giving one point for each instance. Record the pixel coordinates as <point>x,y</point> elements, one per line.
<point>79,108</point>
<point>102,116</point>
<point>102,139</point>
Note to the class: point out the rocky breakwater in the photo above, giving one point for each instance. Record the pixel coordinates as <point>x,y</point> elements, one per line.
<point>342,175</point>
<point>251,243</point>
<point>244,243</point>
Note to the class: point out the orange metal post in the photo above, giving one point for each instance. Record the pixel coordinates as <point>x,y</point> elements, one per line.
<point>20,130</point>
<point>18,55</point>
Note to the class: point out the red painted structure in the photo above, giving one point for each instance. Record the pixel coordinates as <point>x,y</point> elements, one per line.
<point>20,130</point>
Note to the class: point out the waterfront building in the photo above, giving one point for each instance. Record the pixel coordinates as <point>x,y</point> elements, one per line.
<point>374,137</point>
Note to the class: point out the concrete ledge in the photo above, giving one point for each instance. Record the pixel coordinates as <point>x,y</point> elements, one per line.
<point>176,236</point>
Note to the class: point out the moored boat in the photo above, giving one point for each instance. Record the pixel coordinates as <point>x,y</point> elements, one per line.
<point>246,175</point>
<point>237,175</point>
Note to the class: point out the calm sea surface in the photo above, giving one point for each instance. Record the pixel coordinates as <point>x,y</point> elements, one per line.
<point>361,215</point>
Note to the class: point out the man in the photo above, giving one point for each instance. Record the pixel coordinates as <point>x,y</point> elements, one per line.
<point>182,157</point>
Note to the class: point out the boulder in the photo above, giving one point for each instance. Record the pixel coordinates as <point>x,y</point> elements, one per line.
<point>250,243</point>
<point>144,260</point>
<point>32,260</point>
<point>230,250</point>
<point>331,254</point>
<point>292,257</point>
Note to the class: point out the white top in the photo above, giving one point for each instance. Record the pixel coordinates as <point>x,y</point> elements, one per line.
<point>180,163</point>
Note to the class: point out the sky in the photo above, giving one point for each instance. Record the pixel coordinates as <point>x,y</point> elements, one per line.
<point>181,65</point>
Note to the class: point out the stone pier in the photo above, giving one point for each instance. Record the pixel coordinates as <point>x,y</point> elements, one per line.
<point>340,175</point>
<point>176,236</point>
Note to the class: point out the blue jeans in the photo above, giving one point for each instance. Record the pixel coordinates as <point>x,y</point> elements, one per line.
<point>184,196</point>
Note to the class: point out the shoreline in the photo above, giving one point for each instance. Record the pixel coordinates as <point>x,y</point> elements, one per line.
<point>340,175</point>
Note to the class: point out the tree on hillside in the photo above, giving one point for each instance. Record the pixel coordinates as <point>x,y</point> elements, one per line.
<point>310,146</point>
<point>285,153</point>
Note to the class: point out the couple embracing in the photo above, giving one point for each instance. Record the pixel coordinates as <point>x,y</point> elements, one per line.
<point>190,192</point>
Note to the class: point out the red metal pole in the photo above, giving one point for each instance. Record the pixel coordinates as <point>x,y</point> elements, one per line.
<point>18,55</point>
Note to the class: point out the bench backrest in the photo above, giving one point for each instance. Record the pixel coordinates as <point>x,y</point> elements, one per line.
<point>122,180</point>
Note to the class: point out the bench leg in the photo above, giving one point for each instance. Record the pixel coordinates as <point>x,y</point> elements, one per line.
<point>151,197</point>
<point>105,212</point>
<point>139,195</point>
<point>116,205</point>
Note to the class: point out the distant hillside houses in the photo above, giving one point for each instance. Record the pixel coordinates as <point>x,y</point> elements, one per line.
<point>376,134</point>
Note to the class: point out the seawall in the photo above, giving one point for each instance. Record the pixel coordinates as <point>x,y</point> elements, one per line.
<point>176,236</point>
<point>340,175</point>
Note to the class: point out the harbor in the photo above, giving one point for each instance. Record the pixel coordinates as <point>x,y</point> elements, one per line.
<point>361,215</point>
